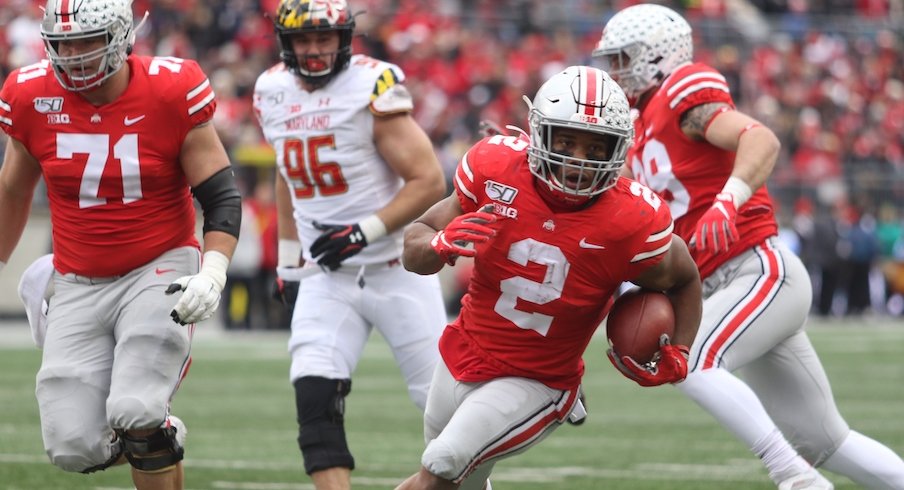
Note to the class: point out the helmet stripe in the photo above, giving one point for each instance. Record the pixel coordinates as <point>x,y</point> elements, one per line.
<point>65,8</point>
<point>591,87</point>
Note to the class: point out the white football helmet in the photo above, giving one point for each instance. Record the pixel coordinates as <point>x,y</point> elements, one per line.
<point>643,44</point>
<point>586,99</point>
<point>68,20</point>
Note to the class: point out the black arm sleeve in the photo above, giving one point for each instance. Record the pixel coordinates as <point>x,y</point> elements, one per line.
<point>221,202</point>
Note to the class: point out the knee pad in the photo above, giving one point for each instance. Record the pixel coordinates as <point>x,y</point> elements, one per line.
<point>154,452</point>
<point>320,404</point>
<point>441,460</point>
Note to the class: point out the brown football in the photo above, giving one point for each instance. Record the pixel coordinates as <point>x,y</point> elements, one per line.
<point>637,320</point>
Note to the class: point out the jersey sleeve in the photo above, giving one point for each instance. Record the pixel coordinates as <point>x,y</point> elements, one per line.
<point>22,87</point>
<point>469,179</point>
<point>653,238</point>
<point>7,95</point>
<point>694,87</point>
<point>200,100</point>
<point>389,95</point>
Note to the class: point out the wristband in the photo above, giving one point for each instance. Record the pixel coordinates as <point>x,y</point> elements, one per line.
<point>738,189</point>
<point>288,253</point>
<point>373,228</point>
<point>214,265</point>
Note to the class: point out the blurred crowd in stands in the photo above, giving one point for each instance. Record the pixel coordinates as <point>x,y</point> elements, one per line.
<point>826,75</point>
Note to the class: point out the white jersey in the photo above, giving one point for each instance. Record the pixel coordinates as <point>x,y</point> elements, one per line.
<point>325,148</point>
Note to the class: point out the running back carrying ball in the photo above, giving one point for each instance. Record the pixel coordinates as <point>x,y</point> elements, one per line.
<point>637,320</point>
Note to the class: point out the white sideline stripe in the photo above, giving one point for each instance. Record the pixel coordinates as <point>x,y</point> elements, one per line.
<point>737,470</point>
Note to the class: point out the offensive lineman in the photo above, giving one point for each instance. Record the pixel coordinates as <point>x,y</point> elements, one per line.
<point>354,168</point>
<point>710,163</point>
<point>553,231</point>
<point>122,142</point>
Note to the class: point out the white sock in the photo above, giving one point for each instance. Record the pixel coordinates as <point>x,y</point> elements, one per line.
<point>779,457</point>
<point>867,462</point>
<point>739,410</point>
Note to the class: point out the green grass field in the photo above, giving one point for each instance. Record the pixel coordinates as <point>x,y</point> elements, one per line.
<point>238,406</point>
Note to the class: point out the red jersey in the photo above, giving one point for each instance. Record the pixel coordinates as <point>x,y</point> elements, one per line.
<point>118,196</point>
<point>543,284</point>
<point>688,174</point>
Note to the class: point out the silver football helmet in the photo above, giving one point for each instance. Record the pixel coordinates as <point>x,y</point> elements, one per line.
<point>586,99</point>
<point>643,44</point>
<point>70,20</point>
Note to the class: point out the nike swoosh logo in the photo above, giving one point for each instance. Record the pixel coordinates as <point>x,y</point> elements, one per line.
<point>130,121</point>
<point>585,244</point>
<point>160,271</point>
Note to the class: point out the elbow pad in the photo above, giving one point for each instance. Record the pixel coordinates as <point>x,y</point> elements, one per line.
<point>221,203</point>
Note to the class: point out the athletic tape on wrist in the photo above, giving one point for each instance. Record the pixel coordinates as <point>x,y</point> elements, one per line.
<point>738,189</point>
<point>214,265</point>
<point>288,253</point>
<point>373,228</point>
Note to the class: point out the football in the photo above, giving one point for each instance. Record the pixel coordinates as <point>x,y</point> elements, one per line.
<point>637,320</point>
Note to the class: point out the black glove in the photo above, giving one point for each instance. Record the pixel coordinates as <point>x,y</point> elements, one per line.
<point>286,292</point>
<point>337,243</point>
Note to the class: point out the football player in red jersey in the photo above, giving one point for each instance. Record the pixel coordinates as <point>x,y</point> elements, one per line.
<point>123,142</point>
<point>710,162</point>
<point>553,231</point>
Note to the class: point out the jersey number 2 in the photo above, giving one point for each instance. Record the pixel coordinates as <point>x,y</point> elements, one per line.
<point>557,265</point>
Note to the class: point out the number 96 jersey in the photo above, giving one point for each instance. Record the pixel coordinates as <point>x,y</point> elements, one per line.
<point>118,195</point>
<point>324,143</point>
<point>543,284</point>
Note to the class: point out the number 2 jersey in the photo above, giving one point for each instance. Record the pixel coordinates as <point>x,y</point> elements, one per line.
<point>688,174</point>
<point>540,288</point>
<point>118,196</point>
<point>325,150</point>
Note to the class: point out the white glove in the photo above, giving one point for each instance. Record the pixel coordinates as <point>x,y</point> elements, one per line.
<point>200,292</point>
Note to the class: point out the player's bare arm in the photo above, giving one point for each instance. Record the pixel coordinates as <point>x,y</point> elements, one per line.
<point>19,176</point>
<point>203,157</point>
<point>408,151</point>
<point>418,255</point>
<point>756,146</point>
<point>677,275</point>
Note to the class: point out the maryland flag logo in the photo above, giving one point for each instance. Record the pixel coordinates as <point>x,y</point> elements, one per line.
<point>295,14</point>
<point>385,81</point>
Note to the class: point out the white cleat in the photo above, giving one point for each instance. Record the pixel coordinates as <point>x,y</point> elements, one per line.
<point>181,431</point>
<point>810,480</point>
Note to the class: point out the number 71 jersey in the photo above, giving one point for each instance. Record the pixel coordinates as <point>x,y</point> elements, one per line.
<point>118,196</point>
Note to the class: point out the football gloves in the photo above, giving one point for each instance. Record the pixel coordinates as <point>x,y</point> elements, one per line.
<point>458,238</point>
<point>337,243</point>
<point>716,230</point>
<point>670,367</point>
<point>200,292</point>
<point>286,292</point>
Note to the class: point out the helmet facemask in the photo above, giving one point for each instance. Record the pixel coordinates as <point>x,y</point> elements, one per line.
<point>586,100</point>
<point>313,17</point>
<point>110,20</point>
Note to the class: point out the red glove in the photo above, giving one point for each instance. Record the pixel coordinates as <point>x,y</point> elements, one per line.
<point>462,233</point>
<point>716,229</point>
<point>671,367</point>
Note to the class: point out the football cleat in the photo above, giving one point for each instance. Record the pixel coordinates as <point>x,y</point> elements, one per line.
<point>811,480</point>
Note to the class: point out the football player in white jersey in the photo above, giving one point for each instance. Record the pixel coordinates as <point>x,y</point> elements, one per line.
<point>353,169</point>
